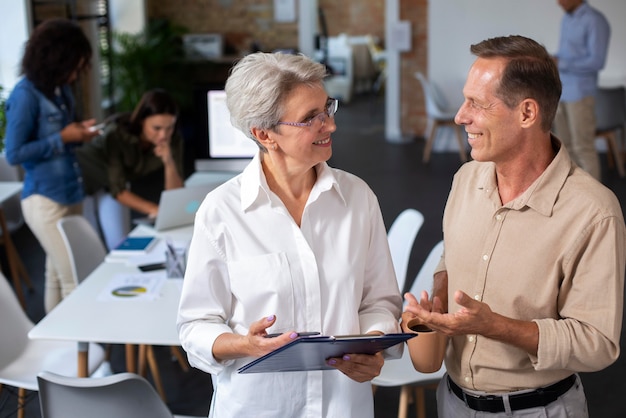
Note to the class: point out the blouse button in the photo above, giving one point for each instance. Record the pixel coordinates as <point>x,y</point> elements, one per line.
<point>485,257</point>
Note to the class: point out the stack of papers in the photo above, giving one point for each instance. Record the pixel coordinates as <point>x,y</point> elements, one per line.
<point>132,287</point>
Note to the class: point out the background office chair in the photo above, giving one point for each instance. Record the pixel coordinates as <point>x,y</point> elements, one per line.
<point>21,358</point>
<point>122,395</point>
<point>401,236</point>
<point>83,244</point>
<point>86,251</point>
<point>10,221</point>
<point>610,110</point>
<point>401,372</point>
<point>439,114</point>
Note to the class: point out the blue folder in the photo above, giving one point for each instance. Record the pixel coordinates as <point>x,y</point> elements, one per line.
<point>311,353</point>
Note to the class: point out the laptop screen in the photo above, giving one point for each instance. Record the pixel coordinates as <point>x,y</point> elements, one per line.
<point>225,141</point>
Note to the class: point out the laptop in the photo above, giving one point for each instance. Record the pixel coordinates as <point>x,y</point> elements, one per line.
<point>177,207</point>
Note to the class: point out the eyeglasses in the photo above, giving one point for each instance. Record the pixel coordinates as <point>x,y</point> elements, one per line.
<point>318,120</point>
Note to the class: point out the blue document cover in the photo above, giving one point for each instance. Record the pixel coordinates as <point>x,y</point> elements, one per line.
<point>134,245</point>
<point>311,353</point>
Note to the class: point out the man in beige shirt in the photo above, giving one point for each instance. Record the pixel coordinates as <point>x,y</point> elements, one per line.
<point>530,287</point>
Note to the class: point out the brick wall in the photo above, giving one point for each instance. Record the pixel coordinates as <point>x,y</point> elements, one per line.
<point>244,21</point>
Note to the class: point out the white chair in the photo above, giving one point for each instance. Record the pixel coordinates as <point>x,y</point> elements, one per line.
<point>122,395</point>
<point>401,236</point>
<point>84,246</point>
<point>439,114</point>
<point>610,110</point>
<point>21,358</point>
<point>401,372</point>
<point>11,220</point>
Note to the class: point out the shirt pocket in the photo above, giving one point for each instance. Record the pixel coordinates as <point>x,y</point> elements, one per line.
<point>262,286</point>
<point>52,121</point>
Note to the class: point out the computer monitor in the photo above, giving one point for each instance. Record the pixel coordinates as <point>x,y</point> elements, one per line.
<point>226,141</point>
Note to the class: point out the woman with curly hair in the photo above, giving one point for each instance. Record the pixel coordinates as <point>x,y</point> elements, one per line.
<point>42,135</point>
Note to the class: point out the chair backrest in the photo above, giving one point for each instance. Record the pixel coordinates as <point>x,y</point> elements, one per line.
<point>84,246</point>
<point>610,108</point>
<point>12,206</point>
<point>436,104</point>
<point>122,395</point>
<point>14,325</point>
<point>424,279</point>
<point>401,236</point>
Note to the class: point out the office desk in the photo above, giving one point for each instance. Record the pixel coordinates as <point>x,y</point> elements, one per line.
<point>81,317</point>
<point>9,189</point>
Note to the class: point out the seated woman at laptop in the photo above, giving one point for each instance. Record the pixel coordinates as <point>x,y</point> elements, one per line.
<point>290,245</point>
<point>132,146</point>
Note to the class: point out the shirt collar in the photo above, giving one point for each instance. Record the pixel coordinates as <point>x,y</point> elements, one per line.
<point>580,9</point>
<point>254,186</point>
<point>544,191</point>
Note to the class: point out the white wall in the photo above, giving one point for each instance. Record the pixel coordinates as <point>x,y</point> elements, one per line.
<point>13,34</point>
<point>127,15</point>
<point>456,24</point>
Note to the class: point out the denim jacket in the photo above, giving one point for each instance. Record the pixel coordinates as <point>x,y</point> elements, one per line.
<point>33,139</point>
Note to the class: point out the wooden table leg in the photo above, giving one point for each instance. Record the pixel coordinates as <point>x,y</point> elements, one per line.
<point>154,370</point>
<point>141,360</point>
<point>131,364</point>
<point>83,359</point>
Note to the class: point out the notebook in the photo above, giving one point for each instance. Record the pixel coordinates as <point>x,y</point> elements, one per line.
<point>177,207</point>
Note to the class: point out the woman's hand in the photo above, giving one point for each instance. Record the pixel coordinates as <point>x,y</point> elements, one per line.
<point>359,367</point>
<point>164,152</point>
<point>79,131</point>
<point>255,344</point>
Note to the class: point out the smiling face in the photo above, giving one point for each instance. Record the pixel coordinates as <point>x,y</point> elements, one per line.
<point>493,128</point>
<point>304,145</point>
<point>158,129</point>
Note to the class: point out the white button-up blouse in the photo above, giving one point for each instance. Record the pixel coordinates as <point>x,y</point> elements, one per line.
<point>248,259</point>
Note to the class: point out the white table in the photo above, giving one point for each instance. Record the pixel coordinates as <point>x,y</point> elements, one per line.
<point>9,189</point>
<point>83,318</point>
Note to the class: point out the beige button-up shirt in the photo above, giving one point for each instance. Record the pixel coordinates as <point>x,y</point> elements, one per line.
<point>554,255</point>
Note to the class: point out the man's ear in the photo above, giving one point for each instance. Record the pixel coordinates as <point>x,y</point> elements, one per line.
<point>529,113</point>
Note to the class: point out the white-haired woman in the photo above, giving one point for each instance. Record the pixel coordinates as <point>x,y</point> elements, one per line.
<point>289,245</point>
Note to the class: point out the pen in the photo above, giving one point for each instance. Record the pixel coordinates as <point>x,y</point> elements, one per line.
<point>300,334</point>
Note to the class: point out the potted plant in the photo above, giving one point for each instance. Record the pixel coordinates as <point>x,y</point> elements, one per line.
<point>150,59</point>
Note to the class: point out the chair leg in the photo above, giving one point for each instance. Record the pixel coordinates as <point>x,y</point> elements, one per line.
<point>21,403</point>
<point>614,152</point>
<point>405,399</point>
<point>429,142</point>
<point>459,137</point>
<point>420,402</point>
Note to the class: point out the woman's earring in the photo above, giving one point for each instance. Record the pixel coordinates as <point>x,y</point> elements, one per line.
<point>274,147</point>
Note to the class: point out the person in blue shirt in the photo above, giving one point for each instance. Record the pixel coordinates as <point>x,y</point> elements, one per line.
<point>42,135</point>
<point>583,46</point>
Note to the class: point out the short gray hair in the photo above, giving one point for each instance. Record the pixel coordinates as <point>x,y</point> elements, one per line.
<point>259,83</point>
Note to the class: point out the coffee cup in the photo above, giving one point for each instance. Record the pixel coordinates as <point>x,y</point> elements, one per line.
<point>428,349</point>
